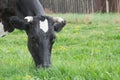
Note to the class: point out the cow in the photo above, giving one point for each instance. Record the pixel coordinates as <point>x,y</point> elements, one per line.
<point>29,15</point>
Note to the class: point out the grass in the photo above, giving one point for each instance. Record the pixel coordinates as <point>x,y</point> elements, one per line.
<point>88,48</point>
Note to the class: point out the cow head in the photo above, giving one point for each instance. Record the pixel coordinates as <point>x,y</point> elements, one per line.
<point>41,35</point>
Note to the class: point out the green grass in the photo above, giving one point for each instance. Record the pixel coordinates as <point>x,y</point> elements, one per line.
<point>88,48</point>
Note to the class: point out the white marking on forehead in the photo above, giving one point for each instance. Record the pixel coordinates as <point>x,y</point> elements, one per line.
<point>2,32</point>
<point>29,18</point>
<point>44,25</point>
<point>58,19</point>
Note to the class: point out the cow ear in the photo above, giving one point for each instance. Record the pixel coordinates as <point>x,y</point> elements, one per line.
<point>18,23</point>
<point>58,23</point>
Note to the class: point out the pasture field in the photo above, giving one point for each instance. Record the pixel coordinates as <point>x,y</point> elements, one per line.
<point>88,48</point>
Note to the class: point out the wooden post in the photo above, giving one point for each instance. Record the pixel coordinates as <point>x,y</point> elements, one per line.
<point>107,6</point>
<point>92,6</point>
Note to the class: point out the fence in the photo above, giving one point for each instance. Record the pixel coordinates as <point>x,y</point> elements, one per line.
<point>81,6</point>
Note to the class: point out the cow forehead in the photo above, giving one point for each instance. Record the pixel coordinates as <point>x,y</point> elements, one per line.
<point>44,25</point>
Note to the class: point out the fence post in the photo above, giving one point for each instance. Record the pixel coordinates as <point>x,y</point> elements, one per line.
<point>92,3</point>
<point>107,6</point>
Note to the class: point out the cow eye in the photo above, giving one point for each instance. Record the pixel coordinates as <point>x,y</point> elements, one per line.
<point>53,40</point>
<point>33,39</point>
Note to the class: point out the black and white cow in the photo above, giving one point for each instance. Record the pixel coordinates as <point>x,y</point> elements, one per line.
<point>29,15</point>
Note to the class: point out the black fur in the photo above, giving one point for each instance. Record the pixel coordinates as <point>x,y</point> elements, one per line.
<point>12,14</point>
<point>20,8</point>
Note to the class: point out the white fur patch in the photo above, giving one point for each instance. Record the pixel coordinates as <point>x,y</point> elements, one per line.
<point>58,19</point>
<point>2,32</point>
<point>44,25</point>
<point>29,18</point>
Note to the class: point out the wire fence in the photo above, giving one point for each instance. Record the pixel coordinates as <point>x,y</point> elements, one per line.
<point>81,6</point>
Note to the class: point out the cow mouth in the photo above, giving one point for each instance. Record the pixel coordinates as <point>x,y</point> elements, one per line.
<point>43,66</point>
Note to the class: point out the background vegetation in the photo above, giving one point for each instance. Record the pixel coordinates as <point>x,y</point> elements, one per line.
<point>88,48</point>
<point>81,6</point>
